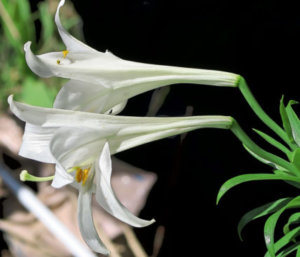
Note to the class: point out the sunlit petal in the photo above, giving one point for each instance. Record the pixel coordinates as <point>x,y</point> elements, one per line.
<point>71,43</point>
<point>106,197</point>
<point>86,223</point>
<point>82,96</point>
<point>36,65</point>
<point>35,144</point>
<point>50,117</point>
<point>61,178</point>
<point>73,147</point>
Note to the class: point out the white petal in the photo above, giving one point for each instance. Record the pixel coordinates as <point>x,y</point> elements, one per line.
<point>35,144</point>
<point>122,143</point>
<point>125,79</point>
<point>122,132</point>
<point>38,66</point>
<point>71,43</point>
<point>106,197</point>
<point>50,117</point>
<point>70,148</point>
<point>75,147</point>
<point>82,96</point>
<point>86,222</point>
<point>61,177</point>
<point>134,77</point>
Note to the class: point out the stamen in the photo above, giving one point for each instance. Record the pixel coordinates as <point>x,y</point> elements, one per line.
<point>82,175</point>
<point>65,53</point>
<point>85,175</point>
<point>25,176</point>
<point>79,175</point>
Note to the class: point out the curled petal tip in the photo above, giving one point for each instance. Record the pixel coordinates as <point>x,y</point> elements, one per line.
<point>152,221</point>
<point>61,3</point>
<point>27,46</point>
<point>10,99</point>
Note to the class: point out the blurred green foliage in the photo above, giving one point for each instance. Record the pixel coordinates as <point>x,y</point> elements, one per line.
<point>18,24</point>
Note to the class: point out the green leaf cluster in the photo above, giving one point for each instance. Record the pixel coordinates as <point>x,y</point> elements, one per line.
<point>286,169</point>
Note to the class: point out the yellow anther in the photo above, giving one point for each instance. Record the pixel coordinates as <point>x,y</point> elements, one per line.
<point>82,175</point>
<point>85,175</point>
<point>65,53</point>
<point>58,61</point>
<point>79,175</point>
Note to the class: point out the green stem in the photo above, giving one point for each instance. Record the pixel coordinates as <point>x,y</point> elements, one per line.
<point>9,23</point>
<point>246,140</point>
<point>260,112</point>
<point>275,143</point>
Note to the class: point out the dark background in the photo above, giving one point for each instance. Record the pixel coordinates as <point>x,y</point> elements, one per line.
<point>257,39</point>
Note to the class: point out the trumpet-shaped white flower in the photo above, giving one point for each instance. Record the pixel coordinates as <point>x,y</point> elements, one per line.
<point>80,144</point>
<point>102,81</point>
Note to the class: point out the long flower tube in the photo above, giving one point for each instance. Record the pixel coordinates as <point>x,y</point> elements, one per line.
<point>80,144</point>
<point>38,132</point>
<point>100,81</point>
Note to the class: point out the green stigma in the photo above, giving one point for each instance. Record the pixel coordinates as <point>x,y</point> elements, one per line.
<point>25,176</point>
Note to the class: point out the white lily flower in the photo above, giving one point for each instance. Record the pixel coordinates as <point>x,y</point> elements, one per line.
<point>100,81</point>
<point>81,143</point>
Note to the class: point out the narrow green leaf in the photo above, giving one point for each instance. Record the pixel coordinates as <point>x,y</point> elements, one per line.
<point>9,24</point>
<point>261,211</point>
<point>274,142</point>
<point>296,158</point>
<point>285,120</point>
<point>252,177</point>
<point>287,251</point>
<point>294,122</point>
<point>284,172</point>
<point>293,219</point>
<point>24,10</point>
<point>259,111</point>
<point>46,19</point>
<point>298,250</point>
<point>263,160</point>
<point>246,140</point>
<point>286,239</point>
<point>25,22</point>
<point>271,222</point>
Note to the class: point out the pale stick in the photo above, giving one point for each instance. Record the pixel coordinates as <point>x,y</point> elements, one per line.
<point>28,199</point>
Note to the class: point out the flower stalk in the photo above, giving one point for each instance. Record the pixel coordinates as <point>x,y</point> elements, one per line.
<point>246,92</point>
<point>247,141</point>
